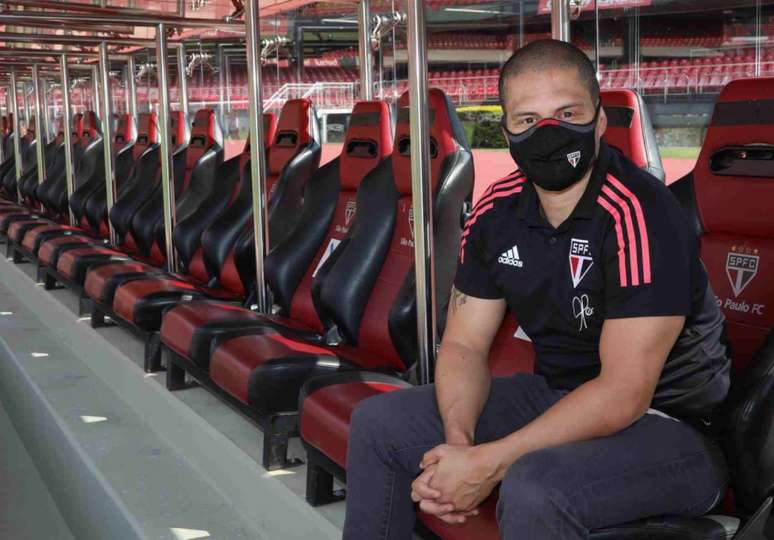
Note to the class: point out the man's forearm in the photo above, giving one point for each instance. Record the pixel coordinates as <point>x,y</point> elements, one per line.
<point>462,383</point>
<point>592,410</point>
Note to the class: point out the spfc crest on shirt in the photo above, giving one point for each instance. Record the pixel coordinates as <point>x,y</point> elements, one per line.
<point>580,260</point>
<point>741,267</point>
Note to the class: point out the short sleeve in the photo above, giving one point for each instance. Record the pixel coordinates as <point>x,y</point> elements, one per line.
<point>648,253</point>
<point>473,277</point>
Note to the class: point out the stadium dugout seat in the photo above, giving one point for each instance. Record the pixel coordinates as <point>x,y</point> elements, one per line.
<point>101,283</point>
<point>145,178</point>
<point>629,129</point>
<point>205,238</point>
<point>54,175</point>
<point>28,161</point>
<point>330,205</point>
<point>193,172</point>
<point>92,221</point>
<point>364,296</point>
<point>735,165</point>
<point>90,165</point>
<point>125,152</point>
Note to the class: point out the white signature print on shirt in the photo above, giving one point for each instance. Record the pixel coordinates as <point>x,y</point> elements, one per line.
<point>581,310</point>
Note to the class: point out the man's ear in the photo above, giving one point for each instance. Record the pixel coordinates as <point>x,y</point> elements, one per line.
<point>601,123</point>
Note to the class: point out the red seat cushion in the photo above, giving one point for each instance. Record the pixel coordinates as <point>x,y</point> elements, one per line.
<point>18,228</point>
<point>69,258</point>
<point>327,411</point>
<point>130,294</point>
<point>49,249</point>
<point>98,278</point>
<point>234,360</point>
<point>30,239</point>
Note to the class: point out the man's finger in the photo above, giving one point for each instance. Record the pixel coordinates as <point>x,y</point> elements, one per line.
<point>430,507</point>
<point>423,490</point>
<point>431,457</point>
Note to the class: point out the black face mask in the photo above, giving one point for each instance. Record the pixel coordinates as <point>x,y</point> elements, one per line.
<point>554,154</point>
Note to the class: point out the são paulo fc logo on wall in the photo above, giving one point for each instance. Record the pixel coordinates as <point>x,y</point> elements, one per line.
<point>741,267</point>
<point>580,260</point>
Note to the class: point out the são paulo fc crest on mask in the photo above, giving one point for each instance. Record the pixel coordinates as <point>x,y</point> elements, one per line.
<point>580,260</point>
<point>574,158</point>
<point>741,267</point>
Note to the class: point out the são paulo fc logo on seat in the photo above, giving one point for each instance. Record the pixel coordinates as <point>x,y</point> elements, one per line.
<point>741,267</point>
<point>574,158</point>
<point>580,260</point>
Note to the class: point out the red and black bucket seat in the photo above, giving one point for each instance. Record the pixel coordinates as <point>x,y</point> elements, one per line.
<point>363,298</point>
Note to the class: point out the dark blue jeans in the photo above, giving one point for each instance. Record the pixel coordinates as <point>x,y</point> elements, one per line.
<point>656,466</point>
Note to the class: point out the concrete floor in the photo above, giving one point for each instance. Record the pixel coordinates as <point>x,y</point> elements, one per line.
<point>27,509</point>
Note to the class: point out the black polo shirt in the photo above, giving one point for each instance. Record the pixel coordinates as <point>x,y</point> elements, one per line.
<point>627,250</point>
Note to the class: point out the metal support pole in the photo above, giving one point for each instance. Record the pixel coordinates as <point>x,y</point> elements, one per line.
<point>560,20</point>
<point>424,264</point>
<point>45,124</point>
<point>228,84</point>
<point>95,94</point>
<point>26,102</point>
<point>758,37</point>
<point>68,130</point>
<point>222,88</point>
<point>107,137</point>
<point>131,87</point>
<point>257,158</point>
<point>17,157</point>
<point>167,181</point>
<point>597,40</point>
<point>364,50</point>
<point>39,135</point>
<point>182,79</point>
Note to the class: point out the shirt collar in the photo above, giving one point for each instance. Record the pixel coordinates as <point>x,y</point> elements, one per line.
<point>529,204</point>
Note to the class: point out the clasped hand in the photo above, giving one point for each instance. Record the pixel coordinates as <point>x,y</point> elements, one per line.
<point>455,480</point>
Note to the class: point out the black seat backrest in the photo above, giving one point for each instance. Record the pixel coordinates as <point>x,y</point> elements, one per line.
<point>140,236</point>
<point>90,169</point>
<point>57,195</point>
<point>204,257</point>
<point>732,189</point>
<point>204,195</point>
<point>142,181</point>
<point>384,326</point>
<point>328,211</point>
<point>125,153</point>
<point>292,159</point>
<point>55,172</point>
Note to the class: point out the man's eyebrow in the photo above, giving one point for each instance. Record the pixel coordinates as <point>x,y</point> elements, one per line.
<point>517,114</point>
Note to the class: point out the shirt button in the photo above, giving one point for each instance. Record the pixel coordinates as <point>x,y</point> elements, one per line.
<point>552,240</point>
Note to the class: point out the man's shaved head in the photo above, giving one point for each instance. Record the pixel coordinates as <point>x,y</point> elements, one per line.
<point>552,53</point>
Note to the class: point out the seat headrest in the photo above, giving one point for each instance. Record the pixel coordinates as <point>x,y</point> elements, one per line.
<point>31,126</point>
<point>77,125</point>
<point>91,125</point>
<point>4,123</point>
<point>60,126</point>
<point>126,130</point>
<point>367,142</point>
<point>734,174</point>
<point>294,130</point>
<point>629,129</point>
<point>179,128</point>
<point>205,132</point>
<point>269,130</point>
<point>446,137</point>
<point>147,129</point>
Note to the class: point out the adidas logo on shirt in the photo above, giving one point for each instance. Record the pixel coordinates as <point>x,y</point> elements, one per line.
<point>511,258</point>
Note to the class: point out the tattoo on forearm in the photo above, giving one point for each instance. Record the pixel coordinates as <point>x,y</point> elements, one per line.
<point>457,299</point>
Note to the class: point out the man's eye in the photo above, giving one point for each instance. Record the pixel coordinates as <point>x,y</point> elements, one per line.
<point>567,114</point>
<point>528,120</point>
